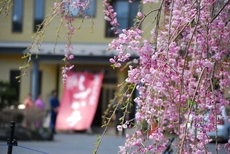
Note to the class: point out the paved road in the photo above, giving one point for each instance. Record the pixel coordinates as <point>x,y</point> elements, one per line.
<point>68,143</point>
<point>72,143</point>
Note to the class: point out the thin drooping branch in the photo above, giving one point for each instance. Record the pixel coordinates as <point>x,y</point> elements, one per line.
<point>218,13</point>
<point>190,110</point>
<point>170,84</point>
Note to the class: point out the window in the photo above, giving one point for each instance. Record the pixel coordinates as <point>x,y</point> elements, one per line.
<point>17,16</point>
<point>126,13</point>
<point>38,13</point>
<point>77,11</point>
<point>14,82</point>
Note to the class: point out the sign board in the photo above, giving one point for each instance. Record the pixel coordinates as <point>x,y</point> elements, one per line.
<point>79,101</point>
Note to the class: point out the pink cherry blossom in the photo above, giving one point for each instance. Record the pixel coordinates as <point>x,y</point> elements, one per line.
<point>182,70</point>
<point>177,73</point>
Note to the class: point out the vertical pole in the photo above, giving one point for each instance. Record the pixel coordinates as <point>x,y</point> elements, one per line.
<point>34,84</point>
<point>10,142</point>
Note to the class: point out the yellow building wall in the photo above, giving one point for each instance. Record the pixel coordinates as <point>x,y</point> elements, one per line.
<point>7,63</point>
<point>27,31</point>
<point>49,81</point>
<point>98,25</point>
<point>12,62</point>
<point>81,36</point>
<point>150,21</point>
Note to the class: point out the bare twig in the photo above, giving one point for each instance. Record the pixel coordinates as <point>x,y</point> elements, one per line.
<point>219,11</point>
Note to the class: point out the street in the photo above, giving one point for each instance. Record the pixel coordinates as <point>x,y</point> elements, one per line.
<point>67,144</point>
<point>73,143</point>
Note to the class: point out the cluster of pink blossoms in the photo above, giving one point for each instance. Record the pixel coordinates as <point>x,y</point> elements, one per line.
<point>127,41</point>
<point>68,47</point>
<point>80,4</point>
<point>64,8</point>
<point>180,79</point>
<point>68,56</point>
<point>110,16</point>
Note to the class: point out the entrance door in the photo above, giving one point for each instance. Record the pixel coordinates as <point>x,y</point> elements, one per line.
<point>106,95</point>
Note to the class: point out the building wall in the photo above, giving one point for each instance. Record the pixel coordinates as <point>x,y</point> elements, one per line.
<point>49,80</point>
<point>10,62</point>
<point>6,25</point>
<point>81,36</point>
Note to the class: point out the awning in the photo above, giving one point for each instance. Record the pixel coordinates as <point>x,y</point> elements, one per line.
<point>83,52</point>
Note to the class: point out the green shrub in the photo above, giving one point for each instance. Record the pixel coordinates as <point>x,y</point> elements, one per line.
<point>8,95</point>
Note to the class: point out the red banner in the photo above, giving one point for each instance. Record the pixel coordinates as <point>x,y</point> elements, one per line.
<point>79,101</point>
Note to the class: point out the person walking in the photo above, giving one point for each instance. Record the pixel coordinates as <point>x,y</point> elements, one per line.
<point>40,104</point>
<point>28,103</point>
<point>54,106</point>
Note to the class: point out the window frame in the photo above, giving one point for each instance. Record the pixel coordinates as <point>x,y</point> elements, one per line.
<point>93,4</point>
<point>14,81</point>
<point>110,33</point>
<point>20,22</point>
<point>35,22</point>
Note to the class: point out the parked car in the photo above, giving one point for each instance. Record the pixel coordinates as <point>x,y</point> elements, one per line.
<point>223,126</point>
